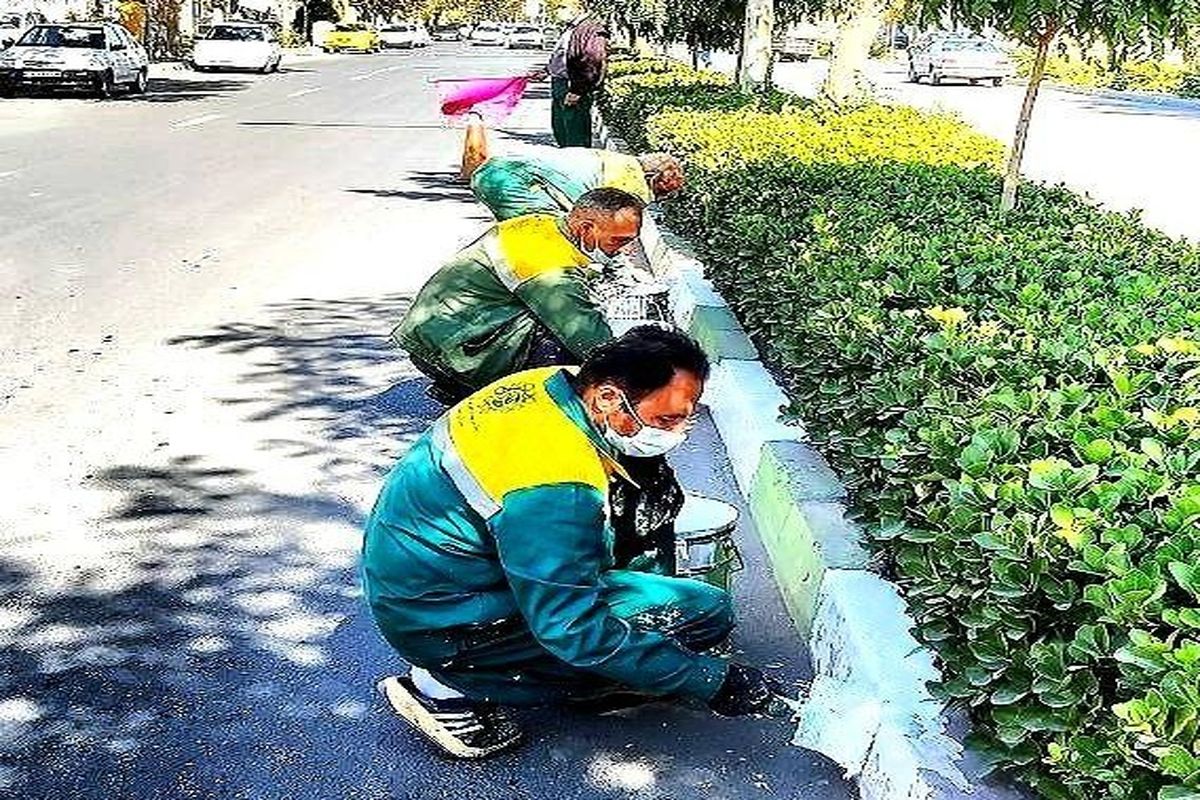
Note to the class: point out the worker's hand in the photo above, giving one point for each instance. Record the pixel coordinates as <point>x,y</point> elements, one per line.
<point>745,691</point>
<point>571,99</point>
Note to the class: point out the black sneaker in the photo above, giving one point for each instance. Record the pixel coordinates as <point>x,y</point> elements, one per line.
<point>462,728</point>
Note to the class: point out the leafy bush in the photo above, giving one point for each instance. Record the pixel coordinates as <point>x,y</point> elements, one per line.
<point>873,133</point>
<point>1142,75</point>
<point>629,101</point>
<point>619,68</point>
<point>1014,403</point>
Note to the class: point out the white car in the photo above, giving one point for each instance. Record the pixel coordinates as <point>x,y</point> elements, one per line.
<point>405,35</point>
<point>237,45</point>
<point>968,58</point>
<point>529,36</point>
<point>488,33</point>
<point>96,57</point>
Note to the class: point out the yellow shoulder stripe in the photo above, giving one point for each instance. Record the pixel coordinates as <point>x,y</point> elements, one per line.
<point>513,435</point>
<point>622,171</point>
<point>530,245</point>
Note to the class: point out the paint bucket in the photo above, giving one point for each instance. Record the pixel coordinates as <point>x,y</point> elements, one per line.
<point>704,546</point>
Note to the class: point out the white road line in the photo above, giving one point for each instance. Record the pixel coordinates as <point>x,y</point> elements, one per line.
<point>303,92</point>
<point>188,123</point>
<point>8,174</point>
<point>373,73</point>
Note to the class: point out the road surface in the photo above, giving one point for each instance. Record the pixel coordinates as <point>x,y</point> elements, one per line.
<point>199,401</point>
<point>1126,150</point>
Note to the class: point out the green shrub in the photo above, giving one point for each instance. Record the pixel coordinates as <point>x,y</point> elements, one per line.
<point>873,133</point>
<point>628,102</point>
<point>1013,401</point>
<point>619,68</point>
<point>1143,75</point>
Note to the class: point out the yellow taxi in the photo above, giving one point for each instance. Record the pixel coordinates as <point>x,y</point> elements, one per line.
<point>347,36</point>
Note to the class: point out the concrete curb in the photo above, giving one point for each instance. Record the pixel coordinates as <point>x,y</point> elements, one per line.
<point>870,709</point>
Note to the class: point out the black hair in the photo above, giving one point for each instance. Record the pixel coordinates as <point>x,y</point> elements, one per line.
<point>643,360</point>
<point>607,200</point>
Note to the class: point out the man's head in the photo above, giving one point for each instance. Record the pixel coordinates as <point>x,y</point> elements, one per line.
<point>642,388</point>
<point>605,219</point>
<point>664,173</point>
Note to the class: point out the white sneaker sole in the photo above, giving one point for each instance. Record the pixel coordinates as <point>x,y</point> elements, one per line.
<point>410,709</point>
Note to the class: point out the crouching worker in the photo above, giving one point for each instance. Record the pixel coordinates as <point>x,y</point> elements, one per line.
<point>546,179</point>
<point>518,297</point>
<point>488,561</point>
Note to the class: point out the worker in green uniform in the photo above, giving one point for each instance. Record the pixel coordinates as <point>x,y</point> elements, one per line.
<point>488,559</point>
<point>550,180</point>
<point>518,296</point>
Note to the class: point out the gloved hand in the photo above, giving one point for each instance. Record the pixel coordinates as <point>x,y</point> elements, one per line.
<point>744,691</point>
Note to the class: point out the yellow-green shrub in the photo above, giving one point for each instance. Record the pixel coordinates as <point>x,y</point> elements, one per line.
<point>874,133</point>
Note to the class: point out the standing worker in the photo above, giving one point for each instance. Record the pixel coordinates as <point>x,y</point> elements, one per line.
<point>576,70</point>
<point>488,560</point>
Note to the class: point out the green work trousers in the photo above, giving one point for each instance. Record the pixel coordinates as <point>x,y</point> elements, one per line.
<point>503,663</point>
<point>572,124</point>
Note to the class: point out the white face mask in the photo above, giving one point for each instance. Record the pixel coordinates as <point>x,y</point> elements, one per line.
<point>647,442</point>
<point>598,258</point>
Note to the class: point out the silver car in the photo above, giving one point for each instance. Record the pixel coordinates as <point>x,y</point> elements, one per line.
<point>939,58</point>
<point>95,57</point>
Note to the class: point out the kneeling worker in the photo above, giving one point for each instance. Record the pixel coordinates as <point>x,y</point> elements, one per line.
<point>546,179</point>
<point>518,297</point>
<point>488,561</point>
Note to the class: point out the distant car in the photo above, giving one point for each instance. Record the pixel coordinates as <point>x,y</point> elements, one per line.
<point>11,26</point>
<point>445,33</point>
<point>237,45</point>
<point>790,45</point>
<point>524,36</point>
<point>488,33</point>
<point>968,58</point>
<point>404,35</point>
<point>95,57</point>
<point>550,37</point>
<point>354,36</point>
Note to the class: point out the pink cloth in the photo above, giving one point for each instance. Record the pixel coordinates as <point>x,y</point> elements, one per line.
<point>493,98</point>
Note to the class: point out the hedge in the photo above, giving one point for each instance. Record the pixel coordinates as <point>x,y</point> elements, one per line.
<point>1014,403</point>
<point>1139,75</point>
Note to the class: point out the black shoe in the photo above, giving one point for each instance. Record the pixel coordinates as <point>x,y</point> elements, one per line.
<point>462,728</point>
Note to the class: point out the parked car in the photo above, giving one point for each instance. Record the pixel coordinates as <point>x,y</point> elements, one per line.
<point>11,26</point>
<point>445,33</point>
<point>487,33</point>
<point>237,45</point>
<point>356,36</point>
<point>404,35</point>
<point>789,45</point>
<point>95,57</point>
<point>970,58</point>
<point>522,36</point>
<point>550,37</point>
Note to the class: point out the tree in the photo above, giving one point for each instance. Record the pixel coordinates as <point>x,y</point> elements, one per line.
<point>1122,23</point>
<point>859,24</point>
<point>754,66</point>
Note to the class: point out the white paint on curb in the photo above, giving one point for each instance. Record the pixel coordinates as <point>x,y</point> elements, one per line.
<point>745,403</point>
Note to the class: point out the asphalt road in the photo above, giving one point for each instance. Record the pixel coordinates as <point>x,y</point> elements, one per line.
<point>1126,150</point>
<point>198,401</point>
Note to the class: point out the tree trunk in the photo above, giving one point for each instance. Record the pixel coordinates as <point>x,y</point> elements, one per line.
<point>754,63</point>
<point>844,83</point>
<point>1012,176</point>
